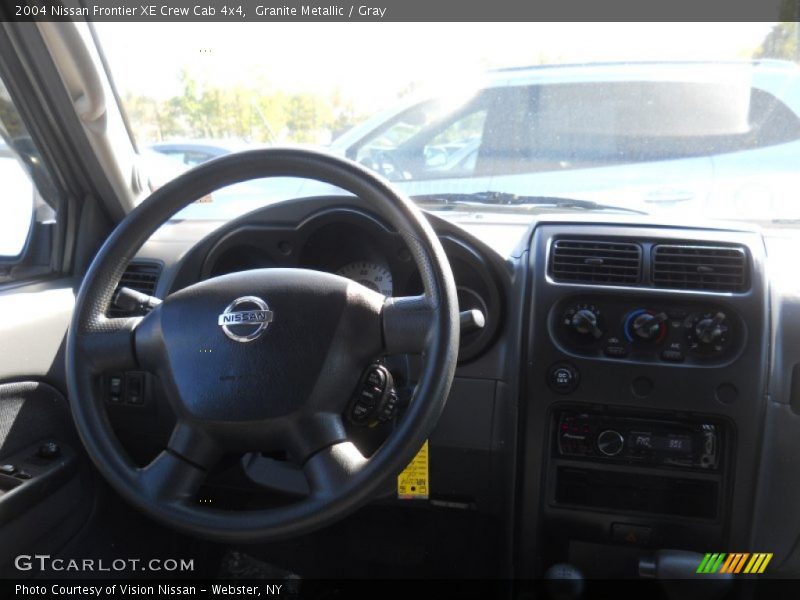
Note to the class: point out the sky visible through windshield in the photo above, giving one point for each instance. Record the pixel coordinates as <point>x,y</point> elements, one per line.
<point>371,64</point>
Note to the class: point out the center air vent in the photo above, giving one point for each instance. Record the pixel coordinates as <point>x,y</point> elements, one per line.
<point>713,268</point>
<point>592,261</point>
<point>139,276</point>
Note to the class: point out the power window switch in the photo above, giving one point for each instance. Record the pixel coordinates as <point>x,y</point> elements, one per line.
<point>135,388</point>
<point>115,385</point>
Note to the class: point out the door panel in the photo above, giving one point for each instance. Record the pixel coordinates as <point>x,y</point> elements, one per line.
<point>46,497</point>
<point>33,325</point>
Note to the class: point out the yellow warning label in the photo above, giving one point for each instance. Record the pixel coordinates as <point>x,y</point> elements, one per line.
<point>413,482</point>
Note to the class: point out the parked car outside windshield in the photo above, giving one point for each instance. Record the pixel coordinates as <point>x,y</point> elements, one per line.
<point>647,136</point>
<point>713,138</point>
<point>191,153</point>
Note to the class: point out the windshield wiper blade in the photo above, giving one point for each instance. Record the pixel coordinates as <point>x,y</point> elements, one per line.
<point>507,199</point>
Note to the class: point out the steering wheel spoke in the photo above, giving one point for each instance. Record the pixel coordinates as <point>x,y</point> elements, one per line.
<point>177,473</point>
<point>329,469</point>
<point>110,344</point>
<point>320,444</point>
<point>407,322</point>
<point>170,478</point>
<point>194,445</point>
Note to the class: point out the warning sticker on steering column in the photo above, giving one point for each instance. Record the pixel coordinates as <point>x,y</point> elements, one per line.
<point>413,482</point>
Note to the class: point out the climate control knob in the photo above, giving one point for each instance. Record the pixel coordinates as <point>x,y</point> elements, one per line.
<point>646,325</point>
<point>708,332</point>
<point>585,322</point>
<point>610,442</point>
<point>711,329</point>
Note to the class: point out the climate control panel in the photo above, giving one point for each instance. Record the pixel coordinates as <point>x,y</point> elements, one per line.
<point>664,332</point>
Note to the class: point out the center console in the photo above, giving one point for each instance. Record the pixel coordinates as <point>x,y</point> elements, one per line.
<point>643,401</point>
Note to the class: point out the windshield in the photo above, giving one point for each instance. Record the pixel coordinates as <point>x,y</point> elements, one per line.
<point>657,119</point>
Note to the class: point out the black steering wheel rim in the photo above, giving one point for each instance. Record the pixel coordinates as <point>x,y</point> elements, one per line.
<point>427,324</point>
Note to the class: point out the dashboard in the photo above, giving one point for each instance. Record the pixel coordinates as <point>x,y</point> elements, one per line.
<point>618,400</point>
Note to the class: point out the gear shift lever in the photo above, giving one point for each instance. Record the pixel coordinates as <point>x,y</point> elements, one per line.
<point>564,582</point>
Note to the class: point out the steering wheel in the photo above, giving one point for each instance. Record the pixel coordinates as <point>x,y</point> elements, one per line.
<point>305,340</point>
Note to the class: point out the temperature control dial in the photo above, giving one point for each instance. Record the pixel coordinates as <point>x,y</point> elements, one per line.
<point>646,325</point>
<point>707,332</point>
<point>584,321</point>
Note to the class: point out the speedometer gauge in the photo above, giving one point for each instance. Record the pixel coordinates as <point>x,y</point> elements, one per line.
<point>369,274</point>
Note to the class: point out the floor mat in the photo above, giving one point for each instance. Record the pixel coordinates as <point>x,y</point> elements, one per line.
<point>238,565</point>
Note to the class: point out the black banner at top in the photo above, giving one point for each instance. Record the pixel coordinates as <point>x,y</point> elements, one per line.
<point>232,11</point>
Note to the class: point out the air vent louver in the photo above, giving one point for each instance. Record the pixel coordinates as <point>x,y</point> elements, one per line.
<point>593,261</point>
<point>712,268</point>
<point>139,276</point>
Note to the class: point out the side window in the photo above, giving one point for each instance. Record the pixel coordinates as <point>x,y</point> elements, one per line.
<point>23,179</point>
<point>376,150</point>
<point>432,140</point>
<point>771,121</point>
<point>453,151</point>
<point>16,208</point>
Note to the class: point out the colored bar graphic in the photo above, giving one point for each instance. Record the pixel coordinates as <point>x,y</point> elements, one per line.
<point>735,563</point>
<point>717,564</point>
<point>702,567</point>
<point>755,562</point>
<point>765,562</point>
<point>726,568</point>
<point>740,563</point>
<point>730,564</point>
<point>712,559</point>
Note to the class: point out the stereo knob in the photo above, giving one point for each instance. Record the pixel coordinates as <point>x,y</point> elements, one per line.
<point>610,442</point>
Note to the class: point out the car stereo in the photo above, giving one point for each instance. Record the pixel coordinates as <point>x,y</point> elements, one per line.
<point>654,442</point>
